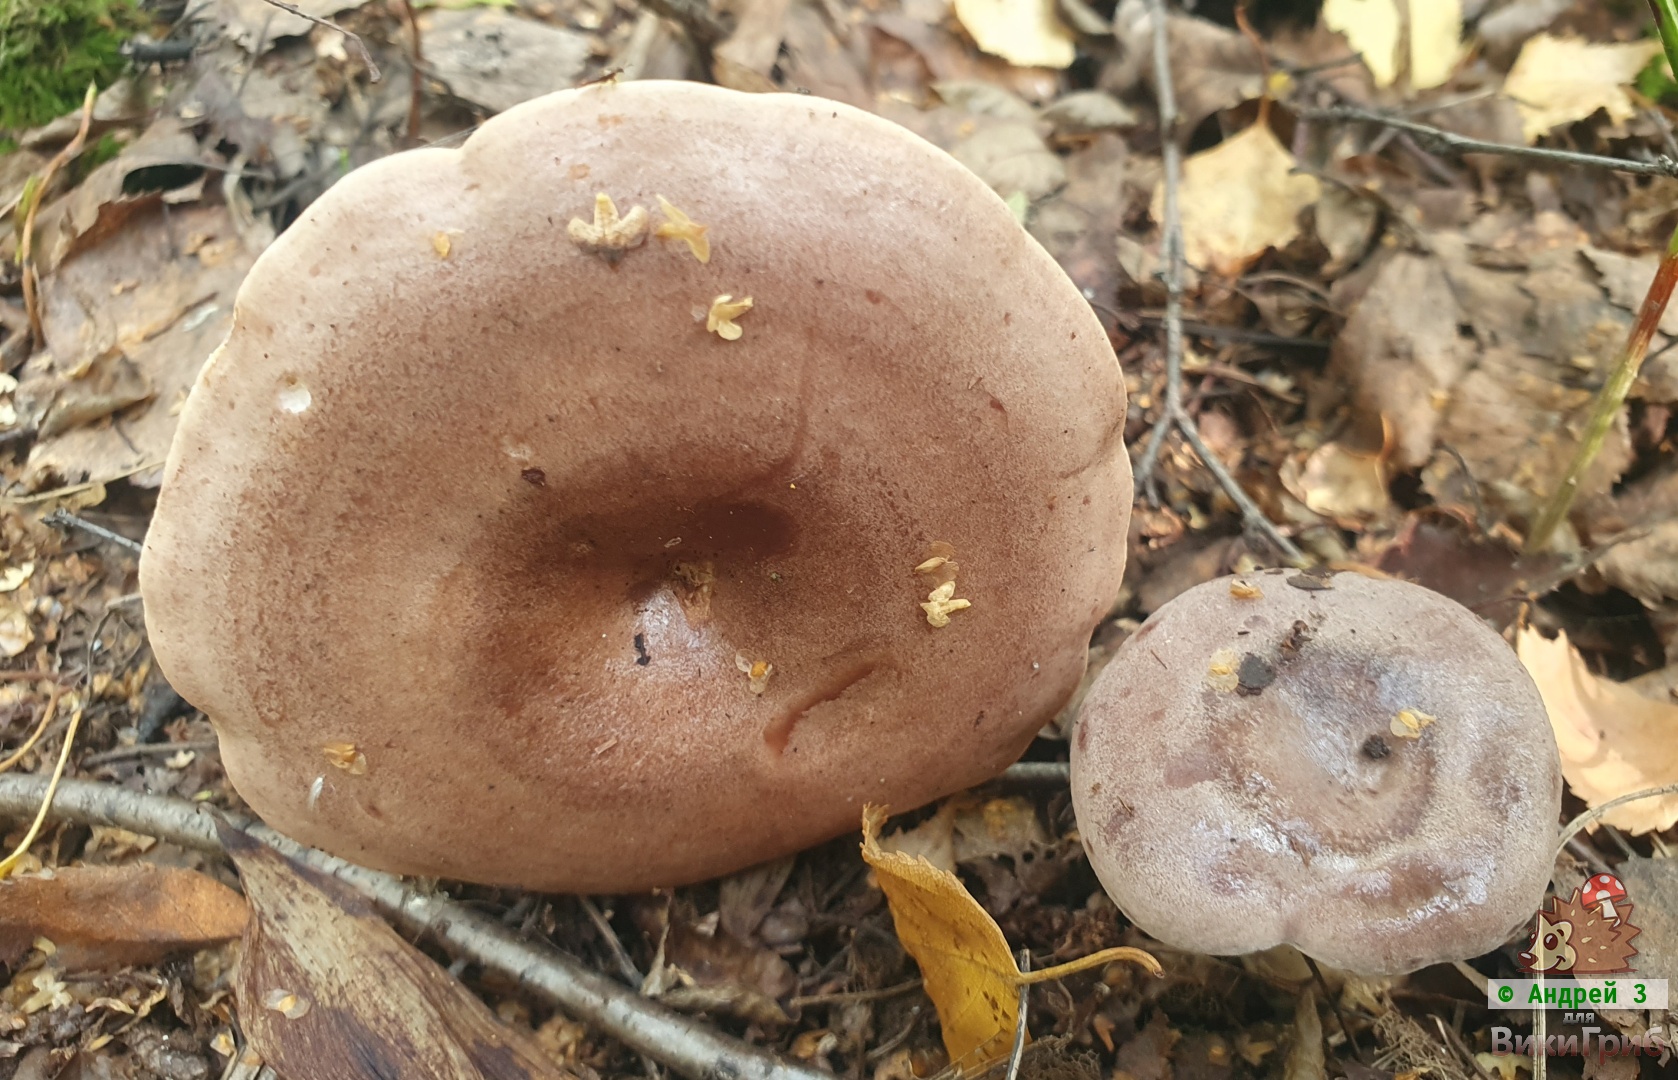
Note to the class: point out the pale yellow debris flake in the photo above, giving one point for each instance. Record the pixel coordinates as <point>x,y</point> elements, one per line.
<point>678,226</point>
<point>441,244</point>
<point>757,672</point>
<point>931,564</point>
<point>1223,672</point>
<point>290,1005</point>
<point>609,235</point>
<point>345,756</point>
<point>719,320</point>
<point>940,602</point>
<point>1245,590</point>
<point>1408,724</point>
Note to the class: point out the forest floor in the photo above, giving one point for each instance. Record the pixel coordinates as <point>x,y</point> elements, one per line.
<point>1391,344</point>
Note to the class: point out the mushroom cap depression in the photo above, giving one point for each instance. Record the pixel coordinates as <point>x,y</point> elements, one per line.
<point>502,541</point>
<point>1357,767</point>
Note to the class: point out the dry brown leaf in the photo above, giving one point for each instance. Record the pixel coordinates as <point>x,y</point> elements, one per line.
<point>323,982</point>
<point>1343,485</point>
<point>1613,740</point>
<point>1557,80</point>
<point>132,319</point>
<point>1401,352</point>
<point>1652,885</point>
<point>1239,199</point>
<point>968,970</point>
<point>494,58</point>
<point>1012,158</point>
<point>111,916</point>
<point>1226,67</point>
<point>744,60</point>
<point>1026,33</point>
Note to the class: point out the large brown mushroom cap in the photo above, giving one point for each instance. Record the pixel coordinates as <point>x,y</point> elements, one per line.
<point>470,523</point>
<point>1357,767</point>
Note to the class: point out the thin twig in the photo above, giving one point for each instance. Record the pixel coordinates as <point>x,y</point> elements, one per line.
<point>684,1044</point>
<point>26,242</point>
<point>68,520</point>
<point>849,997</point>
<point>1173,414</point>
<point>1037,773</point>
<point>1334,1007</point>
<point>353,38</point>
<point>1018,1052</point>
<point>123,753</point>
<point>1585,820</point>
<point>1440,141</point>
<point>626,966</point>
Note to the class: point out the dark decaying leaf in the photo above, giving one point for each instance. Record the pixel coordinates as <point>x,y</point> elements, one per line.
<point>327,990</point>
<point>110,916</point>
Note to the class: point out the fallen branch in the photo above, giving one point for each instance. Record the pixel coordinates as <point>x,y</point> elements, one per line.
<point>680,1042</point>
<point>1439,141</point>
<point>1173,413</point>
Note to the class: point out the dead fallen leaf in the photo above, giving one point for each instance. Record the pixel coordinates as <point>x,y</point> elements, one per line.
<point>716,972</point>
<point>1239,199</point>
<point>1557,80</point>
<point>1012,158</point>
<point>1515,419</point>
<point>323,982</point>
<point>250,22</point>
<point>1652,885</point>
<point>1373,29</point>
<point>1026,33</point>
<point>744,60</point>
<point>966,965</point>
<point>495,58</point>
<point>132,319</point>
<point>1227,68</point>
<point>1345,486</point>
<point>1085,112</point>
<point>1613,740</point>
<point>111,916</point>
<point>744,899</point>
<point>1435,41</point>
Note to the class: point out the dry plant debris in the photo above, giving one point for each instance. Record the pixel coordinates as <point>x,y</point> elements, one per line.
<point>1392,332</point>
<point>1613,740</point>
<point>969,971</point>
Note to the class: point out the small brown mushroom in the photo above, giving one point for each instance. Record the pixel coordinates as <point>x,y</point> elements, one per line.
<point>600,600</point>
<point>1357,767</point>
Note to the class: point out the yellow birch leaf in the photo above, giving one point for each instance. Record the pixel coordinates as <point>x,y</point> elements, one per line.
<point>1613,740</point>
<point>1026,33</point>
<point>1372,29</point>
<point>1557,80</point>
<point>966,966</point>
<point>1435,41</point>
<point>1239,199</point>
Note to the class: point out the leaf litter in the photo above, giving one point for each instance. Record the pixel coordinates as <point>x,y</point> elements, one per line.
<point>1392,348</point>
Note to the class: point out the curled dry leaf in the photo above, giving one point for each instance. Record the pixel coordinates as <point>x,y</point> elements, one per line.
<point>966,965</point>
<point>1613,740</point>
<point>111,916</point>
<point>324,982</point>
<point>1239,198</point>
<point>1557,80</point>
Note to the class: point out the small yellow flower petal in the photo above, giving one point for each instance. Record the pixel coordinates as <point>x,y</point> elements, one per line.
<point>724,310</point>
<point>681,227</point>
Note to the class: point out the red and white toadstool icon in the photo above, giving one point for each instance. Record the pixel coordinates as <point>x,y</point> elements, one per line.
<point>1603,890</point>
